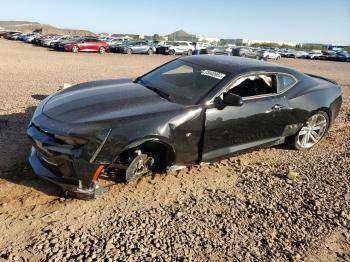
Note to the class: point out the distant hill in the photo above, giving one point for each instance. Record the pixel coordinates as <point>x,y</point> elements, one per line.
<point>181,35</point>
<point>26,26</point>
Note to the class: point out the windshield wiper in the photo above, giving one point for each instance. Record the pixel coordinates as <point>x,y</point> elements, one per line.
<point>156,90</point>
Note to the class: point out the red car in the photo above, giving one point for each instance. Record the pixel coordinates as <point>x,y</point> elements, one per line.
<point>87,45</point>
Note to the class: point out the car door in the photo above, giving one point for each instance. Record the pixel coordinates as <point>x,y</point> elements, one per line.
<point>136,48</point>
<point>94,45</point>
<point>84,45</point>
<point>235,128</point>
<point>144,47</point>
<point>182,47</point>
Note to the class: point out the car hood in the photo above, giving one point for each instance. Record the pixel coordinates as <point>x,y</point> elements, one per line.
<point>105,100</point>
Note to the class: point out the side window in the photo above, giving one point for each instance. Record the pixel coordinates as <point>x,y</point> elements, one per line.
<point>255,85</point>
<point>285,82</point>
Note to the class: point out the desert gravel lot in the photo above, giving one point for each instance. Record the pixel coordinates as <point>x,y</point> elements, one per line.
<point>239,209</point>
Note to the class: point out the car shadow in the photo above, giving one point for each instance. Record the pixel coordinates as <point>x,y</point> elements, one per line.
<point>14,150</point>
<point>39,97</point>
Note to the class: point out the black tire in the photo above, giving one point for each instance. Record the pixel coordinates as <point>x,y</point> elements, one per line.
<point>189,52</point>
<point>102,50</point>
<point>171,52</point>
<point>129,51</point>
<point>294,141</point>
<point>150,52</point>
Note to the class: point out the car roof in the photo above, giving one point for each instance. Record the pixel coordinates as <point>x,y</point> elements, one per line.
<point>233,64</point>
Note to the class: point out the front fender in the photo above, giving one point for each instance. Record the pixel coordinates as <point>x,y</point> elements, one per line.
<point>181,130</point>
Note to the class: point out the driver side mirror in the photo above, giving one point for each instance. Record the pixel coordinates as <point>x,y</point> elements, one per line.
<point>232,100</point>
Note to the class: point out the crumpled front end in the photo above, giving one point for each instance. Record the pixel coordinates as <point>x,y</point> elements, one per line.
<point>67,163</point>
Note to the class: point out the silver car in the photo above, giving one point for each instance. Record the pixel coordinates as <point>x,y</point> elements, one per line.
<point>138,47</point>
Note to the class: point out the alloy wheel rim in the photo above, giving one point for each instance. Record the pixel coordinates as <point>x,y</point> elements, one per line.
<point>312,132</point>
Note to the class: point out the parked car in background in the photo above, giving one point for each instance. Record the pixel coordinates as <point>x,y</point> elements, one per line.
<point>47,42</point>
<point>137,47</point>
<point>176,48</point>
<point>117,48</point>
<point>59,45</point>
<point>42,39</point>
<point>2,33</point>
<point>314,54</point>
<point>220,50</point>
<point>286,52</point>
<point>249,52</point>
<point>157,43</point>
<point>217,50</point>
<point>202,51</point>
<point>87,44</point>
<point>328,55</point>
<point>13,36</point>
<point>271,55</point>
<point>59,39</point>
<point>30,38</point>
<point>342,56</point>
<point>301,54</point>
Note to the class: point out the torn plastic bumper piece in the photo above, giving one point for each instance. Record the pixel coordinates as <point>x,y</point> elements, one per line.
<point>71,185</point>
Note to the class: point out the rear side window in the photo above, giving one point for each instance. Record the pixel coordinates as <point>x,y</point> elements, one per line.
<point>255,85</point>
<point>285,82</point>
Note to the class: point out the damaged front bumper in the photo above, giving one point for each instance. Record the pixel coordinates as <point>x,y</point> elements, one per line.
<point>63,165</point>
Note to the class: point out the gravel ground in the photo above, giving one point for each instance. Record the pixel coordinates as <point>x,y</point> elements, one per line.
<point>243,208</point>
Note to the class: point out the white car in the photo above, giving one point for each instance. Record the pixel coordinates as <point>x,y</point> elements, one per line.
<point>314,54</point>
<point>179,47</point>
<point>271,55</point>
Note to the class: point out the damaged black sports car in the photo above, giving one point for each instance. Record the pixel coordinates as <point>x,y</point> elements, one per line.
<point>191,110</point>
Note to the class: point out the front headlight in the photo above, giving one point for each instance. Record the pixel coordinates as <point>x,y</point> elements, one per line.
<point>71,140</point>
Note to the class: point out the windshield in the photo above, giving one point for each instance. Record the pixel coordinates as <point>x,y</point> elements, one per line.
<point>182,82</point>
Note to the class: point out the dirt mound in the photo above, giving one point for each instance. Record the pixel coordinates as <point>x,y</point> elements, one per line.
<point>25,26</point>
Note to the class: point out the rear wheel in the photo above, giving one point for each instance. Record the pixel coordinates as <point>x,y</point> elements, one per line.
<point>102,50</point>
<point>150,52</point>
<point>171,52</point>
<point>312,131</point>
<point>75,49</point>
<point>129,51</point>
<point>189,52</point>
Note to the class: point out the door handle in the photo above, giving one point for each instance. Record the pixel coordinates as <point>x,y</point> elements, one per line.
<point>277,107</point>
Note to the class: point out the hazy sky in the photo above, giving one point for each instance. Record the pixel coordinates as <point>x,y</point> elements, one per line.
<point>294,20</point>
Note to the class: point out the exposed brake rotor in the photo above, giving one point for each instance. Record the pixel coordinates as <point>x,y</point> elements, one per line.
<point>139,167</point>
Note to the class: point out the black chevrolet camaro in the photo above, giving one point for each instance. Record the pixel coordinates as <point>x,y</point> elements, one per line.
<point>191,110</point>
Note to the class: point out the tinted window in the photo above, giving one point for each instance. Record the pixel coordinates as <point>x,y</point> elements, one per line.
<point>285,82</point>
<point>90,40</point>
<point>185,83</point>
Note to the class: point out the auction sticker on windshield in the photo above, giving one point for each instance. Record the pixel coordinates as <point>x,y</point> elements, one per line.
<point>213,74</point>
